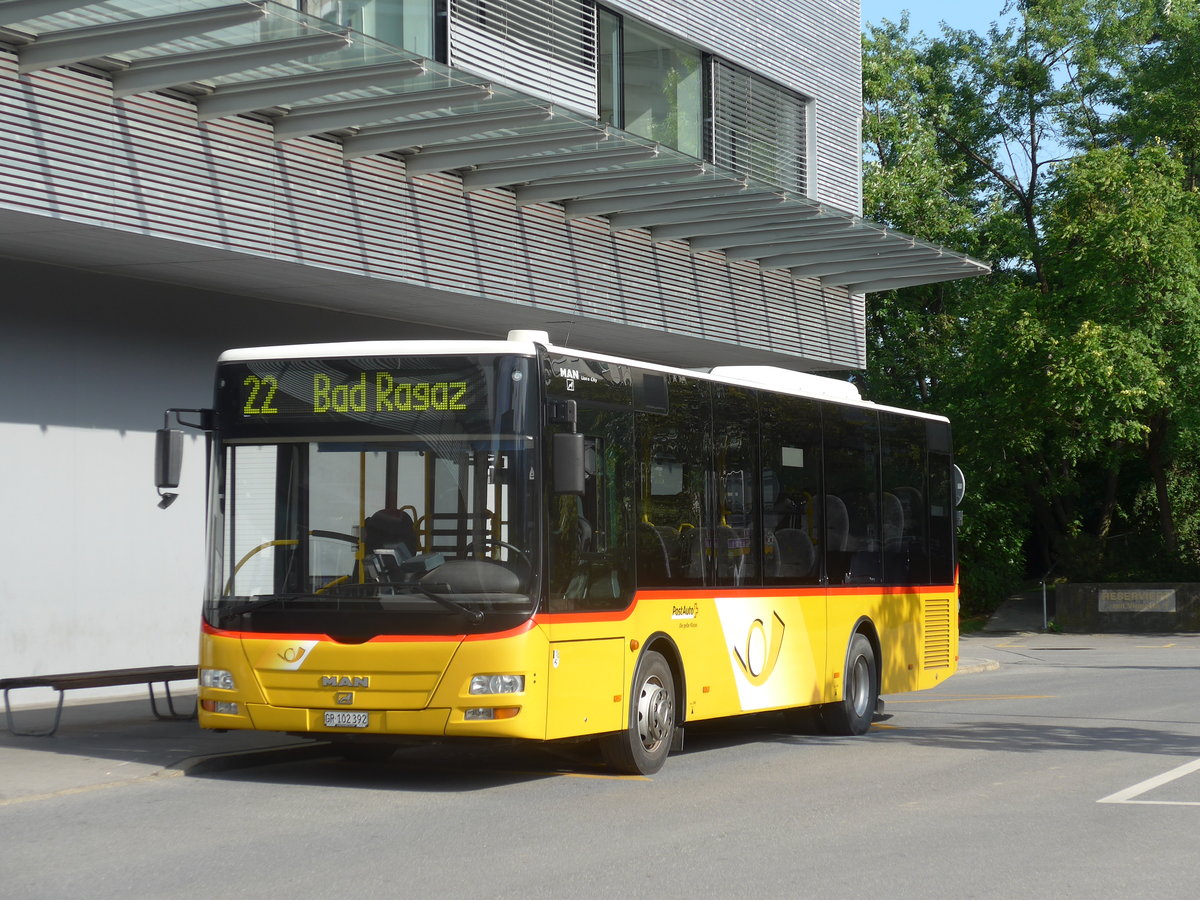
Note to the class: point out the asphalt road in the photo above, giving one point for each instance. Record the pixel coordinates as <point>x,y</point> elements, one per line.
<point>1072,770</point>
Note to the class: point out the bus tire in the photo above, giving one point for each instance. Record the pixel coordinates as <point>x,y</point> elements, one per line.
<point>642,748</point>
<point>860,691</point>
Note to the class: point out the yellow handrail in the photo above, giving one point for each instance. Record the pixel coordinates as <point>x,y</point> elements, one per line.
<point>245,559</point>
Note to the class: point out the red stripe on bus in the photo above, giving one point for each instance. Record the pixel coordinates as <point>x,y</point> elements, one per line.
<point>378,639</point>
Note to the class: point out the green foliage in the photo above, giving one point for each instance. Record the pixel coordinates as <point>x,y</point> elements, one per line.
<point>1054,147</point>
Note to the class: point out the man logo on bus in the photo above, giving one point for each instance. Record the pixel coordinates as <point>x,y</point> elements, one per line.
<point>351,681</point>
<point>761,654</point>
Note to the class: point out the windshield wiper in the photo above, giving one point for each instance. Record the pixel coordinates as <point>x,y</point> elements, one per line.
<point>245,606</point>
<point>257,603</point>
<point>476,615</point>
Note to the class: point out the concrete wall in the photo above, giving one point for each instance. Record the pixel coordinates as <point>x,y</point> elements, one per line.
<point>1128,608</point>
<point>92,573</point>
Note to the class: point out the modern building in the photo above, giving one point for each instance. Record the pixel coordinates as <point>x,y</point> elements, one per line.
<point>674,180</point>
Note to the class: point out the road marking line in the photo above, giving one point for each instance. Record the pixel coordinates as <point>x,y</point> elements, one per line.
<point>1127,795</point>
<point>963,698</point>
<point>88,788</point>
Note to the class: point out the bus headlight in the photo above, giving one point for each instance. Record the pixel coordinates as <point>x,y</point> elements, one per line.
<point>217,678</point>
<point>497,684</point>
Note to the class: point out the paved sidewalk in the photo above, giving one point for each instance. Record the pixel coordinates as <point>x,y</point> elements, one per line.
<point>1019,614</point>
<point>103,744</point>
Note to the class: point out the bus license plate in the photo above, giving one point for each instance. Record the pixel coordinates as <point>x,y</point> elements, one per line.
<point>340,719</point>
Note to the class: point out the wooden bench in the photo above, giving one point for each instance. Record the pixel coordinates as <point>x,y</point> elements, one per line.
<point>68,681</point>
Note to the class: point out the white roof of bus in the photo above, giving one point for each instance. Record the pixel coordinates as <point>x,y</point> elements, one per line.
<point>525,343</point>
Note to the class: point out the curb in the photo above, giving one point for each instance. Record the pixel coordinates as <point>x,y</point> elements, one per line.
<point>969,666</point>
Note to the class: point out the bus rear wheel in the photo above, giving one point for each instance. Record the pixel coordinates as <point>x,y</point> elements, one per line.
<point>642,748</point>
<point>860,691</point>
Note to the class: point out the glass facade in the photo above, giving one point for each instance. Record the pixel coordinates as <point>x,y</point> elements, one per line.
<point>408,24</point>
<point>650,83</point>
<point>663,88</point>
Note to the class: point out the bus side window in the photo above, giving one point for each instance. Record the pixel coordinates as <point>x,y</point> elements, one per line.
<point>793,522</point>
<point>905,524</point>
<point>941,504</point>
<point>852,490</point>
<point>735,533</point>
<point>673,463</point>
<point>590,560</point>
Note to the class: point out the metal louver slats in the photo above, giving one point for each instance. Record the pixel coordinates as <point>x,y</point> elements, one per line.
<point>759,129</point>
<point>544,46</point>
<point>937,636</point>
<point>517,128</point>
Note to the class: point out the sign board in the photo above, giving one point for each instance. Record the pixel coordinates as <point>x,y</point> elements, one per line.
<point>1137,600</point>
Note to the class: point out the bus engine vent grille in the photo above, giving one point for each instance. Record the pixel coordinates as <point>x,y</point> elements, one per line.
<point>937,633</point>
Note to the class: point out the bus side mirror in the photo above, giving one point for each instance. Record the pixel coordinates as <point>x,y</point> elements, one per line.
<point>568,464</point>
<point>168,460</point>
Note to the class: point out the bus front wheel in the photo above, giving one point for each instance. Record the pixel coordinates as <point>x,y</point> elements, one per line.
<point>860,691</point>
<point>642,748</point>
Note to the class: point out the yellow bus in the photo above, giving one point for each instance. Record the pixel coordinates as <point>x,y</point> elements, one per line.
<point>509,539</point>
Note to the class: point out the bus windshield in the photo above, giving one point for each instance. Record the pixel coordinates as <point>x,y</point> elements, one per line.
<point>401,529</point>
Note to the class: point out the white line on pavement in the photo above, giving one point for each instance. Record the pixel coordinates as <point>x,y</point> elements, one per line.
<point>1142,787</point>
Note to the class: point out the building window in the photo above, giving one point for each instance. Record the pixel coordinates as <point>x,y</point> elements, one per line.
<point>608,68</point>
<point>663,88</point>
<point>758,128</point>
<point>543,47</point>
<point>659,87</point>
<point>650,83</point>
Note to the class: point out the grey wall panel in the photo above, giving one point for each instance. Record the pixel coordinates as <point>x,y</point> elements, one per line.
<point>96,576</point>
<point>812,46</point>
<point>143,165</point>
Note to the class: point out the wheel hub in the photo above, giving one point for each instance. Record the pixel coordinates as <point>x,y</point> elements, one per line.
<point>655,714</point>
<point>860,687</point>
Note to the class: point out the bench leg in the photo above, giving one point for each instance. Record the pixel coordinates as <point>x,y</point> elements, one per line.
<point>12,728</point>
<point>171,714</point>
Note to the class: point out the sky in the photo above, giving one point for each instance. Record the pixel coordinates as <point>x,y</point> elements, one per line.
<point>926,15</point>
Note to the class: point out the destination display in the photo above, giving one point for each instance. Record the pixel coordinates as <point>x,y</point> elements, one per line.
<point>348,396</point>
<point>372,391</point>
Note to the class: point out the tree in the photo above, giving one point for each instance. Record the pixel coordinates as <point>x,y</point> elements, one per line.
<point>1157,96</point>
<point>1069,373</point>
<point>1126,263</point>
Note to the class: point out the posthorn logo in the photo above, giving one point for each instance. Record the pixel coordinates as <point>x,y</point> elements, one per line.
<point>758,657</point>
